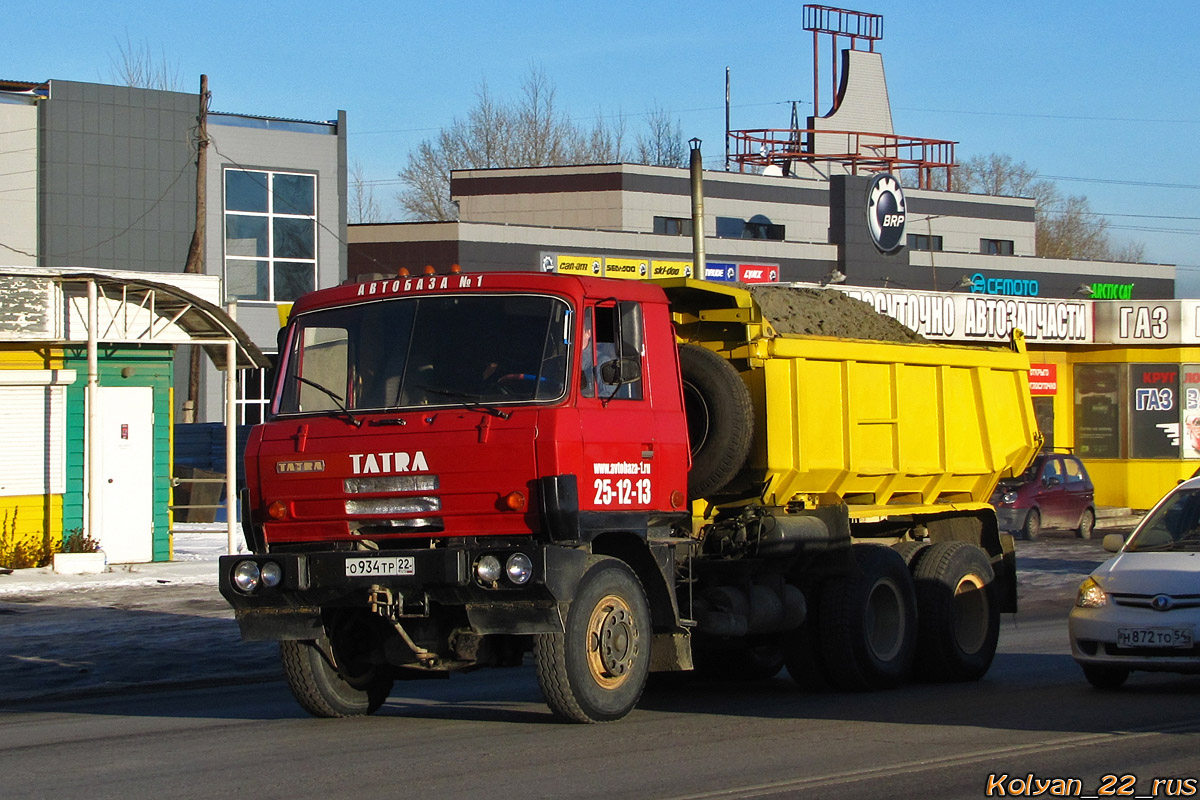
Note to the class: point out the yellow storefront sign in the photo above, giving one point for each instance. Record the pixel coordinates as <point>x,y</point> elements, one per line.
<point>579,265</point>
<point>635,268</point>
<point>671,269</point>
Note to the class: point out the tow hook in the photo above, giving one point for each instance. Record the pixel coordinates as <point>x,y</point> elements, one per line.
<point>382,602</point>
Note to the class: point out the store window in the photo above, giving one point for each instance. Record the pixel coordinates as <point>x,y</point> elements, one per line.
<point>1098,410</point>
<point>922,241</point>
<point>757,227</point>
<point>673,226</point>
<point>995,247</point>
<point>270,235</point>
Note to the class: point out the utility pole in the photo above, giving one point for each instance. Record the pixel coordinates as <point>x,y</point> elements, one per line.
<point>195,256</point>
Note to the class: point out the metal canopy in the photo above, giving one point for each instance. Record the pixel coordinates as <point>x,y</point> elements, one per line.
<point>148,311</point>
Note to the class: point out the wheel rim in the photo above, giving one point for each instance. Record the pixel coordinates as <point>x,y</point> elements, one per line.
<point>612,642</point>
<point>970,613</point>
<point>885,620</point>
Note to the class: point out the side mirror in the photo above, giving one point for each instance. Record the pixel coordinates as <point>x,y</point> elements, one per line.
<point>620,370</point>
<point>1113,542</point>
<point>1052,482</point>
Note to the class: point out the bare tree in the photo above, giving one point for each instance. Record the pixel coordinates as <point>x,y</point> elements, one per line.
<point>137,66</point>
<point>363,207</point>
<point>530,131</point>
<point>662,145</point>
<point>1066,225</point>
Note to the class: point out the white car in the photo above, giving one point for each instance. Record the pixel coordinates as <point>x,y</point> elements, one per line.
<point>1141,609</point>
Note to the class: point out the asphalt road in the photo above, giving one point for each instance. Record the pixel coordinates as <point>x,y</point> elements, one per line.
<point>488,733</point>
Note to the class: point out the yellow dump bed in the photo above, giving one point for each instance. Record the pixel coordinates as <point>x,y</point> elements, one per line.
<point>887,428</point>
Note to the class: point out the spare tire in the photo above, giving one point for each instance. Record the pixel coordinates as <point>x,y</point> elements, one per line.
<point>720,419</point>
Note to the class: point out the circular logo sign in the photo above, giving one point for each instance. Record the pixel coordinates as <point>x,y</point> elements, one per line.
<point>885,212</point>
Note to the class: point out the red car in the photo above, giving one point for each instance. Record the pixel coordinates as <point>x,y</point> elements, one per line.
<point>1055,492</point>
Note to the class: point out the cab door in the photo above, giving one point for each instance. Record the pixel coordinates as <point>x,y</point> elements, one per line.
<point>616,417</point>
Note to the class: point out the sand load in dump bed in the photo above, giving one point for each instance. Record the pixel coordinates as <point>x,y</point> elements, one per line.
<point>807,311</point>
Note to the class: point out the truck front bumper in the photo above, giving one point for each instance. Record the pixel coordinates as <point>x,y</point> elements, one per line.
<point>422,582</point>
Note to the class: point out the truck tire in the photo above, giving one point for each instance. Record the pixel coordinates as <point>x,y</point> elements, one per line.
<point>958,610</point>
<point>356,686</point>
<point>596,670</point>
<point>868,622</point>
<point>720,419</point>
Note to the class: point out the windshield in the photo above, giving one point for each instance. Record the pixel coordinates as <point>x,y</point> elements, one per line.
<point>1174,525</point>
<point>465,350</point>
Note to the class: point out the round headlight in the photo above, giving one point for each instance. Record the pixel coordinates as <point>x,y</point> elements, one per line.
<point>519,568</point>
<point>488,569</point>
<point>246,576</point>
<point>272,574</point>
<point>1008,497</point>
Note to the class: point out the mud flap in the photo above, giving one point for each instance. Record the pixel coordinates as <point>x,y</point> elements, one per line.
<point>272,624</point>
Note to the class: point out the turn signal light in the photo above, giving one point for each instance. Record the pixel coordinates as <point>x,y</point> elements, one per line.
<point>514,501</point>
<point>277,510</point>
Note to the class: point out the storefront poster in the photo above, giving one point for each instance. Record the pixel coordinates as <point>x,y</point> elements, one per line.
<point>1098,410</point>
<point>1190,410</point>
<point>1154,410</point>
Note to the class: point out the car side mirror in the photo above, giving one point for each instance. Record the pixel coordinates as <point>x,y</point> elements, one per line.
<point>1052,482</point>
<point>1113,542</point>
<point>620,370</point>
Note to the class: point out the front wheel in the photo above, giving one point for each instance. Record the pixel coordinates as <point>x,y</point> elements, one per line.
<point>338,675</point>
<point>1032,528</point>
<point>1105,677</point>
<point>595,671</point>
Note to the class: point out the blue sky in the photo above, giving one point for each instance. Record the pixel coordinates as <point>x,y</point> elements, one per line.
<point>1103,96</point>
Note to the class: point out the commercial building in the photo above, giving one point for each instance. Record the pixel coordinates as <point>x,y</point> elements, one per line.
<point>103,177</point>
<point>847,202</point>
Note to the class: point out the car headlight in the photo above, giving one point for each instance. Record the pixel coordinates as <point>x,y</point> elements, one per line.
<point>1091,595</point>
<point>519,568</point>
<point>272,574</point>
<point>246,576</point>
<point>1008,497</point>
<point>487,569</point>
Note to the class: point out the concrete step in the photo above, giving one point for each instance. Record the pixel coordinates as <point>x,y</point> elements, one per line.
<point>1117,517</point>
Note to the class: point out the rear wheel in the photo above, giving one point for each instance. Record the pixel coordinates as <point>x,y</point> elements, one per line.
<point>341,674</point>
<point>1105,677</point>
<point>596,670</point>
<point>958,611</point>
<point>1087,524</point>
<point>1032,528</point>
<point>868,622</point>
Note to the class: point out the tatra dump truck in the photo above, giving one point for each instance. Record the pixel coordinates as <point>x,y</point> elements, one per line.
<point>620,477</point>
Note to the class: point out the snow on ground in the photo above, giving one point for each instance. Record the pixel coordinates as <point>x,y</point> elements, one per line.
<point>165,624</point>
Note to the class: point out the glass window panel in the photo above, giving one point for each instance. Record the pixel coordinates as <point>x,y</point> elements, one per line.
<point>294,238</point>
<point>293,279</point>
<point>245,236</point>
<point>294,194</point>
<point>246,280</point>
<point>245,191</point>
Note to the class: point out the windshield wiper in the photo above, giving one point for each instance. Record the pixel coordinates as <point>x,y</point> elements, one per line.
<point>355,421</point>
<point>467,401</point>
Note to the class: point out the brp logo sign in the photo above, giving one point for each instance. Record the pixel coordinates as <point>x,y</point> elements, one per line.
<point>886,212</point>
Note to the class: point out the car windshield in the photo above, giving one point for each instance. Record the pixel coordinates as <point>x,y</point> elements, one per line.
<point>1174,525</point>
<point>466,350</point>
